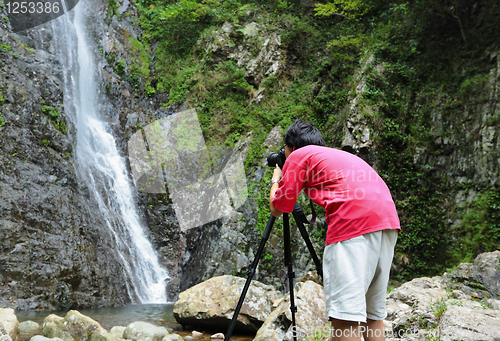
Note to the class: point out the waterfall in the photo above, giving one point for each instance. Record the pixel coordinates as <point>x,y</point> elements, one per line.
<point>99,164</point>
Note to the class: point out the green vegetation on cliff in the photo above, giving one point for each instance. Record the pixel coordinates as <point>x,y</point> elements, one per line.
<point>397,67</point>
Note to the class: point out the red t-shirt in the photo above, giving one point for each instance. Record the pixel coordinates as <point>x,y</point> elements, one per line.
<point>356,199</point>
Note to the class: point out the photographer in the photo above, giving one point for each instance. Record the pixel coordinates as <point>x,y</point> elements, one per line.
<point>362,227</point>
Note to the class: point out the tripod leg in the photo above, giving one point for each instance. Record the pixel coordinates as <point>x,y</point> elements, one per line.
<point>289,265</point>
<point>307,240</point>
<point>265,237</point>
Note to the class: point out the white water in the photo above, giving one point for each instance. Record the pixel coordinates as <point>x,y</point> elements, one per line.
<point>99,163</point>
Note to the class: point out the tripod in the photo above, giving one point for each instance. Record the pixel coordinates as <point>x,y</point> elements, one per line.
<point>300,219</point>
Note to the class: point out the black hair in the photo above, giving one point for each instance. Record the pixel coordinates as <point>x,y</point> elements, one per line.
<point>302,133</point>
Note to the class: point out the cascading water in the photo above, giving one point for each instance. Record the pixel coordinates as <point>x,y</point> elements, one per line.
<point>99,164</point>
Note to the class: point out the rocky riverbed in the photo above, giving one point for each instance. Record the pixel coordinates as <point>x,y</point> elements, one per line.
<point>463,304</point>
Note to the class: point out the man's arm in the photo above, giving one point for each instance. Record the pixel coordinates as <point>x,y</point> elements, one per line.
<point>276,176</point>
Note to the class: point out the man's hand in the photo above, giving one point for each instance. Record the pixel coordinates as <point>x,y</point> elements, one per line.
<point>278,173</point>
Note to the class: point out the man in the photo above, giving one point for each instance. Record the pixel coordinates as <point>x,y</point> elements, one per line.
<point>362,227</point>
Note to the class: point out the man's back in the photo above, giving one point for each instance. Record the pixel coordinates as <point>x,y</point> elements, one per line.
<point>356,199</point>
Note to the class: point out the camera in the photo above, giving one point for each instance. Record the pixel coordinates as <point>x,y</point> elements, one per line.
<point>276,159</point>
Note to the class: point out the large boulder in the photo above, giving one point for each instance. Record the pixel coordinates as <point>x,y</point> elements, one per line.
<point>74,327</point>
<point>463,323</point>
<point>9,325</point>
<point>310,318</point>
<point>211,304</point>
<point>410,306</point>
<point>480,279</point>
<point>423,310</point>
<point>143,331</point>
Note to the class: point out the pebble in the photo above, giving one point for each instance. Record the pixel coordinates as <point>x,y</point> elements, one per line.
<point>196,334</point>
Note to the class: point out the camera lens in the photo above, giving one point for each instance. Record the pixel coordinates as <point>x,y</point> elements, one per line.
<point>276,159</point>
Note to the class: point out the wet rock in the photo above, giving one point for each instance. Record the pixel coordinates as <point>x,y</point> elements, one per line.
<point>28,329</point>
<point>143,331</point>
<point>74,327</point>
<point>9,325</point>
<point>210,305</point>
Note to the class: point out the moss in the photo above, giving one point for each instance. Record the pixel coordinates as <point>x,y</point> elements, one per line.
<point>138,50</point>
<point>29,48</point>
<point>6,47</point>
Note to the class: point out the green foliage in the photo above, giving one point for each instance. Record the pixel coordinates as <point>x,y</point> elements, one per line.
<point>50,111</point>
<point>110,57</point>
<point>134,77</point>
<point>179,25</point>
<point>439,308</point>
<point>347,8</point>
<point>53,114</point>
<point>184,10</point>
<point>149,90</point>
<point>2,121</point>
<point>113,9</point>
<point>479,228</point>
<point>45,142</point>
<point>400,62</point>
<point>2,5</point>
<point>120,68</point>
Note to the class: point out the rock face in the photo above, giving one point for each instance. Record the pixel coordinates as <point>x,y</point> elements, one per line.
<point>53,253</point>
<point>211,304</point>
<point>480,279</point>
